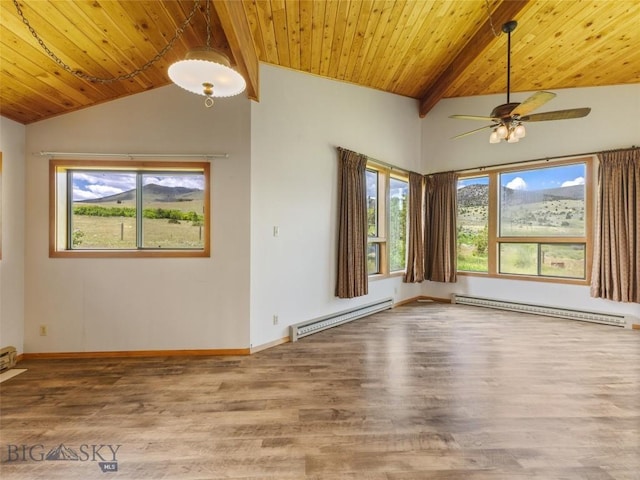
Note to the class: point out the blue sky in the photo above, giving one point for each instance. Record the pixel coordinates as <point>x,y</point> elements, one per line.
<point>397,188</point>
<point>537,179</point>
<point>95,184</point>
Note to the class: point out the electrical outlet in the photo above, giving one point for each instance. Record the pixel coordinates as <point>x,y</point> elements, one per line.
<point>43,330</point>
<point>275,319</point>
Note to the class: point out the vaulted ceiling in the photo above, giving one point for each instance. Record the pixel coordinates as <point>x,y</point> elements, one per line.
<point>423,49</point>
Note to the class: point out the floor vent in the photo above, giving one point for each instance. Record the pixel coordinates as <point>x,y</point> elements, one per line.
<point>583,315</point>
<point>309,327</point>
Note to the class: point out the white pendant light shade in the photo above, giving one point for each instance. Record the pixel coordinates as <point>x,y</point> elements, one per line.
<point>520,131</point>
<point>502,131</point>
<point>494,138</point>
<point>206,71</point>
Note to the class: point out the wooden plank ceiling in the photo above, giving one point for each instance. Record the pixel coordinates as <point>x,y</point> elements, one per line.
<point>423,49</point>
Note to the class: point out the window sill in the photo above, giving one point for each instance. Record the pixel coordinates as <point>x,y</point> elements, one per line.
<point>525,278</point>
<point>383,276</point>
<point>129,254</point>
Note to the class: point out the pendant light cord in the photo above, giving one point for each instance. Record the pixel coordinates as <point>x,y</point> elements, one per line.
<point>208,19</point>
<point>493,28</point>
<point>179,31</point>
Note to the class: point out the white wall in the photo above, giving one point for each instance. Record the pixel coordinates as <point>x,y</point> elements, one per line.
<point>295,130</point>
<point>12,137</point>
<point>144,304</point>
<point>614,122</point>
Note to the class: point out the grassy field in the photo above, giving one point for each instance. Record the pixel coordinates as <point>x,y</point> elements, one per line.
<point>120,233</point>
<point>95,232</point>
<point>469,261</point>
<point>472,222</point>
<point>550,218</point>
<point>556,217</point>
<point>557,260</point>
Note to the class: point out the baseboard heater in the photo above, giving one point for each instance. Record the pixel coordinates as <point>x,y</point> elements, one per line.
<point>309,327</point>
<point>583,315</point>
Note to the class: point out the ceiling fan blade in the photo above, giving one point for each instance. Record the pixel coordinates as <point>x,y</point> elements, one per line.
<point>534,101</point>
<point>476,130</point>
<point>473,117</point>
<point>557,115</point>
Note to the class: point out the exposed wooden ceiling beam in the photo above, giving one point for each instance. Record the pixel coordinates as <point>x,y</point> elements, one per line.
<point>238,32</point>
<point>506,11</point>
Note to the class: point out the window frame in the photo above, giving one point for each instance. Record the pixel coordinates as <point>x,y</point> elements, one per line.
<point>385,174</point>
<point>0,205</point>
<point>494,239</point>
<point>59,207</point>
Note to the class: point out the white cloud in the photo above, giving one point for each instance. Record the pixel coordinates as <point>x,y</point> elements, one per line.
<point>124,181</point>
<point>187,181</point>
<point>571,183</point>
<point>517,184</point>
<point>94,191</point>
<point>104,190</point>
<point>83,195</point>
<point>90,185</point>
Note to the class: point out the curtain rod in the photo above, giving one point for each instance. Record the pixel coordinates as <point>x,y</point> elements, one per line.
<point>388,165</point>
<point>135,155</point>
<point>379,162</point>
<point>542,159</point>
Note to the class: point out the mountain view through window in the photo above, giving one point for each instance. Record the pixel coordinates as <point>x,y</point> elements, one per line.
<point>540,222</point>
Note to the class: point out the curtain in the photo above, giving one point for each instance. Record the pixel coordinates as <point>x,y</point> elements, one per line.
<point>616,272</point>
<point>352,279</point>
<point>441,198</point>
<point>415,244</point>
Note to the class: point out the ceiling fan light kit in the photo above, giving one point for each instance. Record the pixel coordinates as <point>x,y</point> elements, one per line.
<point>512,133</point>
<point>508,118</point>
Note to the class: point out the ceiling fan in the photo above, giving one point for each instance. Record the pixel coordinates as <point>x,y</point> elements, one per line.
<point>508,118</point>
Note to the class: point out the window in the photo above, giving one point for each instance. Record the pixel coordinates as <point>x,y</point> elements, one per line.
<point>398,192</point>
<point>473,224</point>
<point>0,205</point>
<point>129,209</point>
<point>373,221</point>
<point>387,220</point>
<point>528,221</point>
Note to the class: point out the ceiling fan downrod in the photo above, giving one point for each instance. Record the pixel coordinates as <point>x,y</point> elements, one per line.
<point>508,28</point>
<point>507,119</point>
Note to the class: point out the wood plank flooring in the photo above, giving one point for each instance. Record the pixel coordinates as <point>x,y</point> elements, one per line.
<point>425,391</point>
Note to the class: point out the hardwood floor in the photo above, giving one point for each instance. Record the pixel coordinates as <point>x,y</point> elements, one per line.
<point>425,391</point>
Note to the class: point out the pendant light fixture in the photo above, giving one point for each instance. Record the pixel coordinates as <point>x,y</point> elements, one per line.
<point>207,71</point>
